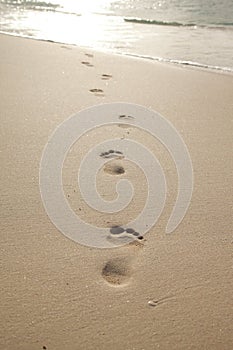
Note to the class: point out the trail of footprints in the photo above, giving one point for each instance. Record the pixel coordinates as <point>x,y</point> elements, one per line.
<point>115,169</point>
<point>116,271</point>
<point>104,76</point>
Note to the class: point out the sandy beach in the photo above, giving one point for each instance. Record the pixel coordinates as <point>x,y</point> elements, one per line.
<point>57,294</point>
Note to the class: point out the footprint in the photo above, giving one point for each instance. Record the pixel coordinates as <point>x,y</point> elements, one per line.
<point>114,169</point>
<point>66,47</point>
<point>126,117</point>
<point>125,126</point>
<point>88,64</point>
<point>125,232</point>
<point>112,154</point>
<point>89,55</point>
<point>106,76</point>
<point>117,271</point>
<point>97,92</point>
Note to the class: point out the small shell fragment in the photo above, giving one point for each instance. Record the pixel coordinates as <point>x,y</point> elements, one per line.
<point>153,303</point>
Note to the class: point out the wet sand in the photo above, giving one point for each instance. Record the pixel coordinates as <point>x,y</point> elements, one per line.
<point>163,291</point>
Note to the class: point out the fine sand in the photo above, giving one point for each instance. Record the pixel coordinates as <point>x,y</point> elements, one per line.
<point>161,292</point>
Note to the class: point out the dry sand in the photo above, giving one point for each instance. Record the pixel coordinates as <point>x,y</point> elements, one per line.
<point>56,294</point>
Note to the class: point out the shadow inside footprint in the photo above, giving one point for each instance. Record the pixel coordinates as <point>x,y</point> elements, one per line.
<point>106,76</point>
<point>126,117</point>
<point>96,90</point>
<point>120,232</point>
<point>89,55</point>
<point>66,47</point>
<point>88,64</point>
<point>114,169</point>
<point>112,154</point>
<point>117,271</point>
<point>116,230</point>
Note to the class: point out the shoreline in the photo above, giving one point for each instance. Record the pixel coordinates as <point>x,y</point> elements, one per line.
<point>176,63</point>
<point>164,291</point>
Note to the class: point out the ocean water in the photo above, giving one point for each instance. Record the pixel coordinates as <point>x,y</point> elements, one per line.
<point>194,32</point>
